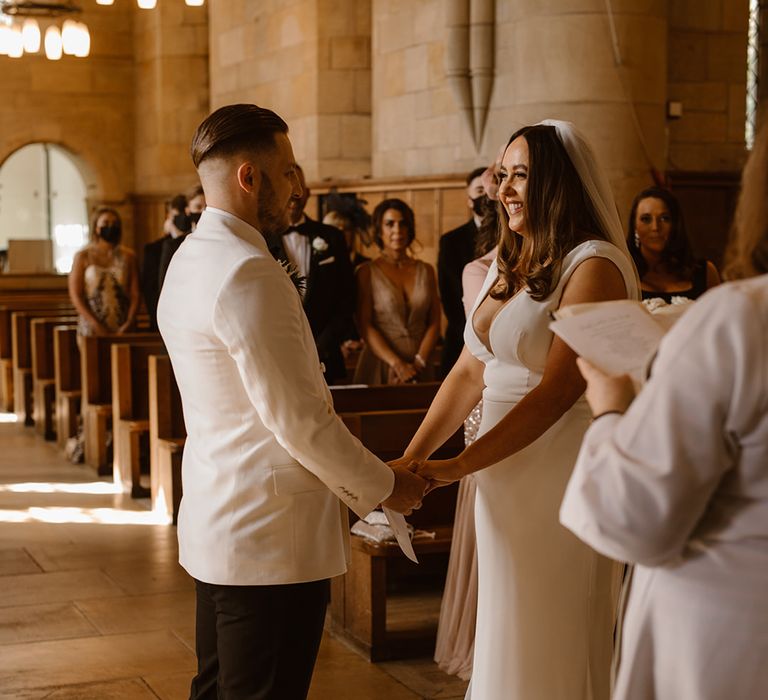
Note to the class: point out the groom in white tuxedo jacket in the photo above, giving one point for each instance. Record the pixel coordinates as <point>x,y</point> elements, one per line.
<point>268,469</point>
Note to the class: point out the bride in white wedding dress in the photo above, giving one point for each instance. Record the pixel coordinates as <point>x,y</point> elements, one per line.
<point>546,601</point>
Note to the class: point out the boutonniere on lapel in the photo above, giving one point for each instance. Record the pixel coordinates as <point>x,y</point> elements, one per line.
<point>320,250</point>
<point>298,280</point>
<point>319,245</point>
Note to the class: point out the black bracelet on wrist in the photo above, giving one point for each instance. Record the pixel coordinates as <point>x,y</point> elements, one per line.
<point>607,413</point>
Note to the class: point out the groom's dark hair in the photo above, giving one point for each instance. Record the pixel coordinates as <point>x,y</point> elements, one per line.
<point>235,129</point>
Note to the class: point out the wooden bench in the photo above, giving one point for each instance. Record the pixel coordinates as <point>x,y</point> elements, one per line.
<point>43,373</point>
<point>167,435</point>
<point>67,382</point>
<point>21,335</point>
<point>130,412</point>
<point>359,598</point>
<point>8,305</point>
<point>96,380</point>
<point>387,397</point>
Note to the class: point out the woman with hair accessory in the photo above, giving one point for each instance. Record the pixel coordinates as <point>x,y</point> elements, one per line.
<point>659,245</point>
<point>104,280</point>
<point>546,602</point>
<point>675,481</point>
<point>398,308</point>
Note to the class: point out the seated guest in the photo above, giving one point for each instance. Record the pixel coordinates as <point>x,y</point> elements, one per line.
<point>658,242</point>
<point>103,282</point>
<point>457,248</point>
<point>319,255</point>
<point>676,482</point>
<point>398,308</point>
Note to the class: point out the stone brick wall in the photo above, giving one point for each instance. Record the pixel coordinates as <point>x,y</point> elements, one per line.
<point>309,60</point>
<point>83,104</point>
<point>707,73</point>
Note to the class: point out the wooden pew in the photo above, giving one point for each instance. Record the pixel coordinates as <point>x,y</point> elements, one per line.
<point>9,303</point>
<point>21,351</point>
<point>67,382</point>
<point>167,435</point>
<point>43,374</point>
<point>96,380</point>
<point>359,598</point>
<point>130,411</point>
<point>390,397</point>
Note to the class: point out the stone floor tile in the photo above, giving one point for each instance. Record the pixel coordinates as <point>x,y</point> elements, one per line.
<point>174,686</point>
<point>92,659</point>
<point>131,689</point>
<point>140,613</point>
<point>426,679</point>
<point>27,623</point>
<point>57,586</point>
<point>341,674</point>
<point>16,560</point>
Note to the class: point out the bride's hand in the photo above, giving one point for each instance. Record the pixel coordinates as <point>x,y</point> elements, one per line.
<point>406,462</point>
<point>440,472</point>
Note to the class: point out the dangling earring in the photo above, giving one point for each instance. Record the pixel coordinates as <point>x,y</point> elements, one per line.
<point>637,240</point>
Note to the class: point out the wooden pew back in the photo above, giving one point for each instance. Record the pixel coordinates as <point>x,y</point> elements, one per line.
<point>96,364</point>
<point>41,334</point>
<point>391,397</point>
<point>66,358</point>
<point>130,378</point>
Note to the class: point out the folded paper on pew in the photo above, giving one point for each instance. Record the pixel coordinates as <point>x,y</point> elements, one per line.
<point>618,337</point>
<point>403,537</point>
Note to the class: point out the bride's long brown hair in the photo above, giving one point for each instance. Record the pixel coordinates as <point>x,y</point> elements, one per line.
<point>558,213</point>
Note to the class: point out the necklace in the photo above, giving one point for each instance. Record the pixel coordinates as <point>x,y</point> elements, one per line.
<point>398,263</point>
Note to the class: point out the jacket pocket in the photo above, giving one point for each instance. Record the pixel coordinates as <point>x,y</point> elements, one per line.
<point>290,479</point>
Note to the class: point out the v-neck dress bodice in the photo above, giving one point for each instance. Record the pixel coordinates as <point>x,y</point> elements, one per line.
<point>402,321</point>
<point>546,601</point>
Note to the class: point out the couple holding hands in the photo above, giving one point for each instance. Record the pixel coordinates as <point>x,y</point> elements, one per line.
<point>269,469</point>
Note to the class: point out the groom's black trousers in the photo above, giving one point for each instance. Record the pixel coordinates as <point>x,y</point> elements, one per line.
<point>257,642</point>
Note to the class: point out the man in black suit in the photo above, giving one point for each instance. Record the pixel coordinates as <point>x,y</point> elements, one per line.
<point>181,218</point>
<point>457,248</point>
<point>319,254</point>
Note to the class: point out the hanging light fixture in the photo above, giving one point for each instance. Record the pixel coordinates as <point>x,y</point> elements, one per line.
<point>146,4</point>
<point>105,2</point>
<point>194,3</point>
<point>30,32</point>
<point>17,38</point>
<point>53,48</point>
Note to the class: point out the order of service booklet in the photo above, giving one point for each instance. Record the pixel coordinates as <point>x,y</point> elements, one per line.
<point>618,337</point>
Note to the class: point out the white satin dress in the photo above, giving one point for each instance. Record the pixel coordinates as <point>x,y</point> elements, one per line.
<point>546,601</point>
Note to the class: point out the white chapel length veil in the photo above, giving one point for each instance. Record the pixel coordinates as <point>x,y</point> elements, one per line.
<point>596,185</point>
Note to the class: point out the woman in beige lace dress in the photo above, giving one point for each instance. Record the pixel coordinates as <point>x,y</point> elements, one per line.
<point>398,308</point>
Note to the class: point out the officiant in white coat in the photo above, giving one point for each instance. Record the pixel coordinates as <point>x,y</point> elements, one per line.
<point>676,482</point>
<point>268,468</point>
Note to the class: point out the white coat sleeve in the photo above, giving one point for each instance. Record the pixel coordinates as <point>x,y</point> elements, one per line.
<point>259,317</point>
<point>643,480</point>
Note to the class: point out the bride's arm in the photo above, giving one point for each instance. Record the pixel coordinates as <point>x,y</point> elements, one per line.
<point>457,396</point>
<point>596,279</point>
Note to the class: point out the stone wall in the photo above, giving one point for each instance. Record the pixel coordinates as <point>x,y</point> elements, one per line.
<point>309,60</point>
<point>707,73</point>
<point>83,104</point>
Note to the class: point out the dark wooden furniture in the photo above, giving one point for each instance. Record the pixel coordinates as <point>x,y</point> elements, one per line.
<point>130,412</point>
<point>43,373</point>
<point>167,435</point>
<point>67,382</point>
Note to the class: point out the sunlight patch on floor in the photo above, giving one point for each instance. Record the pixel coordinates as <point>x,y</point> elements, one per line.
<point>91,487</point>
<point>8,418</point>
<point>99,516</point>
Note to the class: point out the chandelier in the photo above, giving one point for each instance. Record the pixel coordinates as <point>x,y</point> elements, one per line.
<point>21,33</point>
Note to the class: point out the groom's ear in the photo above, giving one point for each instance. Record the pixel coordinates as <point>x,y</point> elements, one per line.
<point>248,177</point>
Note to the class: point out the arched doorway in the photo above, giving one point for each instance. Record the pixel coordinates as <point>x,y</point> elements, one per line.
<point>43,196</point>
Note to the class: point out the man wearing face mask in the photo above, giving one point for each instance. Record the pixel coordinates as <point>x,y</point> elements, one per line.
<point>457,248</point>
<point>181,219</point>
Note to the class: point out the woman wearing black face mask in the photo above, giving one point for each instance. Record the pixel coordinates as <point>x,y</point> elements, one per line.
<point>103,283</point>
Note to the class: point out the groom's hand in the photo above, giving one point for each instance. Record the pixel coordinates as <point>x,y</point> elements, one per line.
<point>406,462</point>
<point>408,491</point>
